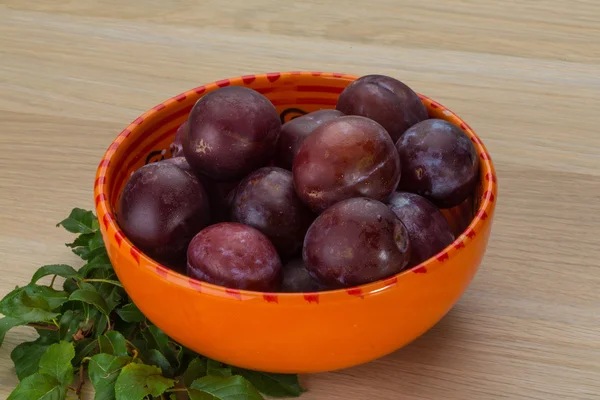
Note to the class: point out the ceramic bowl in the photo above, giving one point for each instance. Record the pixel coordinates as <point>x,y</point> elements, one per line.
<point>298,332</point>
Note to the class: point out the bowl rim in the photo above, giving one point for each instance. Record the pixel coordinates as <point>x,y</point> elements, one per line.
<point>105,212</point>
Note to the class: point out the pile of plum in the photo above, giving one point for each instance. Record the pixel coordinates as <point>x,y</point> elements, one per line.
<point>331,199</point>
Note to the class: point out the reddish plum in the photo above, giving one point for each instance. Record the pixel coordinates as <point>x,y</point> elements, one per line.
<point>232,131</point>
<point>347,157</point>
<point>354,242</point>
<point>266,200</point>
<point>236,256</point>
<point>439,162</point>
<point>385,100</point>
<point>428,230</point>
<point>161,208</point>
<point>295,131</point>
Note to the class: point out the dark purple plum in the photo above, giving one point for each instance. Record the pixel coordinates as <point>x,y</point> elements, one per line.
<point>385,100</point>
<point>232,131</point>
<point>296,278</point>
<point>177,145</point>
<point>267,201</point>
<point>354,242</point>
<point>161,208</point>
<point>428,230</point>
<point>347,157</point>
<point>295,131</point>
<point>439,162</point>
<point>236,256</point>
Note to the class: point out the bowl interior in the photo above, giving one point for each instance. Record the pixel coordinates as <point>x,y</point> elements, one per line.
<point>293,94</point>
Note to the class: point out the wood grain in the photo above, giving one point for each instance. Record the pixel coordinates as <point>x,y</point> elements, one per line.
<point>525,75</point>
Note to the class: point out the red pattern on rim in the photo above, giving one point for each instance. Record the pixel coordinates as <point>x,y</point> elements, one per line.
<point>489,195</point>
<point>391,281</point>
<point>476,140</point>
<point>119,236</point>
<point>470,233</point>
<point>434,105</point>
<point>105,162</point>
<point>138,121</point>
<point>420,270</point>
<point>159,107</point>
<point>482,215</point>
<point>234,293</point>
<point>355,292</point>
<point>312,298</point>
<point>99,198</point>
<point>459,245</point>
<point>337,75</point>
<point>273,76</point>
<point>463,126</point>
<point>315,73</point>
<point>271,298</point>
<point>200,89</point>
<point>490,177</point>
<point>101,180</point>
<point>443,257</point>
<point>484,155</point>
<point>248,79</point>
<point>125,133</point>
<point>114,146</point>
<point>224,82</point>
<point>181,97</point>
<point>135,253</point>
<point>107,219</point>
<point>162,271</point>
<point>194,284</point>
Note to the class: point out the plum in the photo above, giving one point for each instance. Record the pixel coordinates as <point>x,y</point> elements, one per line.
<point>267,201</point>
<point>296,278</point>
<point>295,131</point>
<point>385,100</point>
<point>236,256</point>
<point>161,208</point>
<point>439,162</point>
<point>356,241</point>
<point>428,230</point>
<point>232,131</point>
<point>350,156</point>
<point>177,145</point>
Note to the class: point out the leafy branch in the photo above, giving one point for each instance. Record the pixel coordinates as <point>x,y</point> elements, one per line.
<point>89,327</point>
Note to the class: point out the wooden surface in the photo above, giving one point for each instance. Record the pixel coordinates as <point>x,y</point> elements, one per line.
<point>525,75</point>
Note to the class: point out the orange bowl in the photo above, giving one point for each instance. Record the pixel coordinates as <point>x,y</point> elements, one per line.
<point>288,332</point>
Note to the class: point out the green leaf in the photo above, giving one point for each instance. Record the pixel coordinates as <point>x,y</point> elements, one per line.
<point>32,303</point>
<point>86,254</point>
<point>137,381</point>
<point>96,241</point>
<point>90,297</point>
<point>101,325</point>
<point>66,271</point>
<point>215,368</point>
<point>38,387</point>
<point>196,369</point>
<point>113,343</point>
<point>70,285</point>
<point>103,370</point>
<point>81,240</point>
<point>7,324</point>
<point>26,356</point>
<point>85,348</point>
<point>56,362</point>
<point>272,385</point>
<point>224,388</point>
<point>157,358</point>
<point>130,313</point>
<point>100,262</point>
<point>69,324</point>
<point>157,339</point>
<point>79,221</point>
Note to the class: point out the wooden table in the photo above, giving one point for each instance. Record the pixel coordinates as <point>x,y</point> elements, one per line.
<point>525,75</point>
